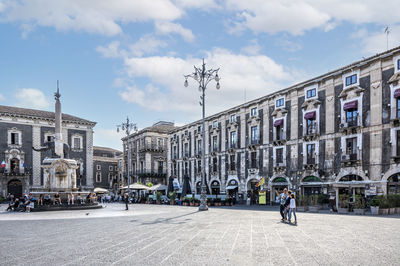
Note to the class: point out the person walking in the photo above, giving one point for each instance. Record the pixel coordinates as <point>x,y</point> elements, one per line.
<point>282,197</point>
<point>286,205</point>
<point>292,208</point>
<point>126,199</point>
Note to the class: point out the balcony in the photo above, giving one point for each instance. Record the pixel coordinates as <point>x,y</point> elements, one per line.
<point>279,139</point>
<point>214,149</point>
<point>280,166</point>
<point>311,163</point>
<point>351,126</point>
<point>152,147</point>
<point>311,132</point>
<point>198,153</point>
<point>254,143</point>
<point>351,159</point>
<point>148,173</point>
<point>174,156</point>
<point>186,155</point>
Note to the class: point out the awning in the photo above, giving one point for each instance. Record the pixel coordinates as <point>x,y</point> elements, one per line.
<point>278,122</point>
<point>100,190</point>
<point>396,93</point>
<point>310,115</point>
<point>159,187</point>
<point>350,105</point>
<point>137,186</point>
<point>231,187</point>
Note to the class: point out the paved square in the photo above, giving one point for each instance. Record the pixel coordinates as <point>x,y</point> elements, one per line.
<point>173,235</point>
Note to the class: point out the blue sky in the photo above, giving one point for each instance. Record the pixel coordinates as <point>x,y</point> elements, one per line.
<point>127,58</point>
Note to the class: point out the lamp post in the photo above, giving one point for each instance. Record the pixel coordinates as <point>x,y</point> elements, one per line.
<point>127,127</point>
<point>203,76</point>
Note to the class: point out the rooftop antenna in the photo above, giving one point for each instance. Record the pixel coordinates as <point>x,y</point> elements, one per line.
<point>387,31</point>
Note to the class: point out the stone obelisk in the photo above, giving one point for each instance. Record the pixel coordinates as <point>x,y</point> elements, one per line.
<point>58,140</point>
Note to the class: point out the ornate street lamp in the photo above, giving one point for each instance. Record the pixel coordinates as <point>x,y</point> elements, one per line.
<point>127,127</point>
<point>203,77</point>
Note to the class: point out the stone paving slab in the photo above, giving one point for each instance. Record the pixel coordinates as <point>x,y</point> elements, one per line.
<point>174,235</point>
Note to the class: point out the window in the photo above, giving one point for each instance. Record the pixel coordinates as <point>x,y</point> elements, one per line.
<point>110,176</point>
<point>253,111</point>
<point>233,162</point>
<point>215,124</point>
<point>98,167</point>
<point>398,64</point>
<point>199,166</point>
<point>199,146</point>
<point>160,167</point>
<point>233,118</point>
<point>279,155</point>
<point>186,150</point>
<point>14,138</point>
<point>351,79</point>
<point>186,133</point>
<point>311,126</point>
<point>254,135</point>
<point>214,143</point>
<point>351,117</point>
<point>141,166</point>
<point>116,168</point>
<point>76,143</point>
<point>253,160</point>
<point>215,164</point>
<point>233,139</point>
<point>398,143</point>
<point>351,146</point>
<point>280,102</point>
<point>310,153</point>
<point>98,177</point>
<point>174,154</point>
<point>160,142</point>
<point>398,107</point>
<point>311,93</point>
<point>110,168</point>
<point>49,138</point>
<point>199,129</point>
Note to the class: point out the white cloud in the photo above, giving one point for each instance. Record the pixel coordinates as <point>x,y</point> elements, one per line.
<point>108,138</point>
<point>2,98</point>
<point>288,45</point>
<point>253,48</point>
<point>167,28</point>
<point>94,16</point>
<point>257,74</point>
<point>375,42</point>
<point>112,50</point>
<point>146,44</point>
<point>31,98</point>
<point>296,17</point>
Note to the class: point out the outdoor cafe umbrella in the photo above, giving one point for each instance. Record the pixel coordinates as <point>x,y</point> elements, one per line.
<point>186,186</point>
<point>170,184</point>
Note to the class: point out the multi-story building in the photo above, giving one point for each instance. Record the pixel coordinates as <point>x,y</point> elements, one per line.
<point>336,133</point>
<point>21,128</point>
<point>148,153</point>
<point>106,168</point>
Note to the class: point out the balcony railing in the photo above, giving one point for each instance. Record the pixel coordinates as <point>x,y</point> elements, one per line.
<point>311,129</point>
<point>310,160</point>
<point>255,141</point>
<point>186,154</point>
<point>152,147</point>
<point>174,156</point>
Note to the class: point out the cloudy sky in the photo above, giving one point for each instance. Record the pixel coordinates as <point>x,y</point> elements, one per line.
<point>127,57</point>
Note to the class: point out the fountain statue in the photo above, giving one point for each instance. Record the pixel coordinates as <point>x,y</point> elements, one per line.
<point>59,171</point>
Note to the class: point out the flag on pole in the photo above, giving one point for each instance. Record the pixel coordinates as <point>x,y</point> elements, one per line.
<point>24,165</point>
<point>260,182</point>
<point>3,164</point>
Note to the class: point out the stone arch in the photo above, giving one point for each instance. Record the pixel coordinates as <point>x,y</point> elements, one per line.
<point>277,176</point>
<point>390,173</point>
<point>306,176</point>
<point>343,173</point>
<point>232,178</point>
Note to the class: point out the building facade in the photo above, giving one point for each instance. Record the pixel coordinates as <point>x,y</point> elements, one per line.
<point>147,154</point>
<point>21,129</point>
<point>106,168</point>
<point>333,134</point>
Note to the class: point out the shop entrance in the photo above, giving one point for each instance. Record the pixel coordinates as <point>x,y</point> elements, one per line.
<point>393,185</point>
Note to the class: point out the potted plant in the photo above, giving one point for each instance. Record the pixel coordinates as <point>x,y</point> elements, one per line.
<point>302,201</point>
<point>172,197</point>
<point>228,201</point>
<point>392,203</point>
<point>314,207</point>
<point>191,202</point>
<point>209,201</point>
<point>384,206</point>
<point>196,202</point>
<point>323,200</point>
<point>374,206</point>
<point>217,202</point>
<point>359,205</point>
<point>343,204</point>
<point>158,197</point>
<point>397,203</point>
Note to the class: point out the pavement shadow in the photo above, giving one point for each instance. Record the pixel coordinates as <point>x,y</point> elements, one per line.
<point>170,220</point>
